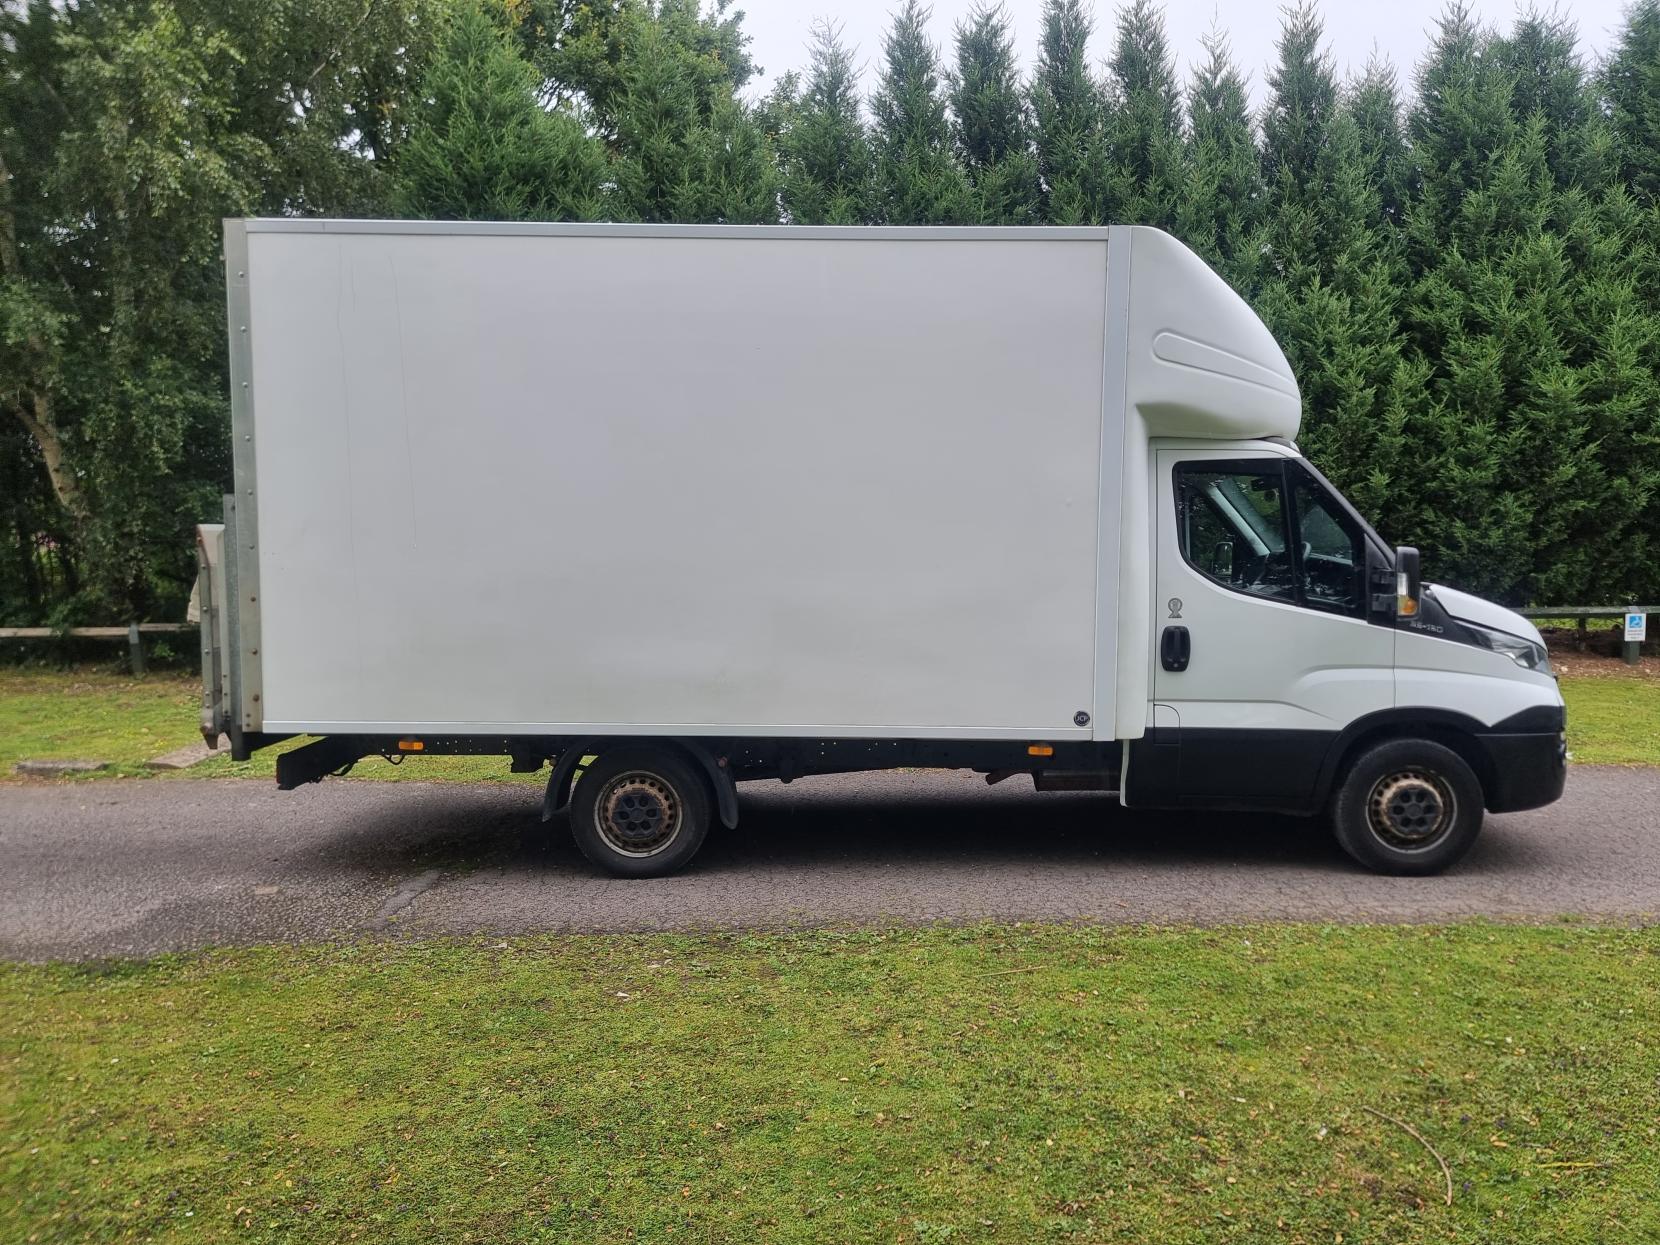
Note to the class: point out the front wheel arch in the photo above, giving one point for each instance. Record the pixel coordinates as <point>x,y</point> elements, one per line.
<point>1450,730</point>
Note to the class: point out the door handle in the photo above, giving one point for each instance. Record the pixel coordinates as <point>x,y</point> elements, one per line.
<point>1175,648</point>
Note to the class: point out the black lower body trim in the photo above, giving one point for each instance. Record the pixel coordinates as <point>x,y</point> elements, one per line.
<point>1277,770</point>
<point>1295,771</point>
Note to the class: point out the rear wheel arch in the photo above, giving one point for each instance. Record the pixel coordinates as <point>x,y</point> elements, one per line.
<point>722,788</point>
<point>721,784</point>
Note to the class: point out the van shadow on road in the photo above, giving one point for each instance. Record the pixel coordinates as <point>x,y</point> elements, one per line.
<point>778,829</point>
<point>880,821</point>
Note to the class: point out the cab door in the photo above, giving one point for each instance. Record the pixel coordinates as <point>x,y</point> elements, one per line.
<point>1262,648</point>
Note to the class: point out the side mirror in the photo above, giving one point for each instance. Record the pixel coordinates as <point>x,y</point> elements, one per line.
<point>1221,559</point>
<point>1408,585</point>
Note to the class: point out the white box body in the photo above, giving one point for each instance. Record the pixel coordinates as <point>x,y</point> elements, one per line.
<point>566,479</point>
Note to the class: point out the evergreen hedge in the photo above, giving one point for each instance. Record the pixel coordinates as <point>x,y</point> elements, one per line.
<point>1464,274</point>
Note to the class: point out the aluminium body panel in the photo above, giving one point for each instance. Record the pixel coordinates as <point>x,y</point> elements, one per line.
<point>613,479</point>
<point>210,610</point>
<point>246,707</point>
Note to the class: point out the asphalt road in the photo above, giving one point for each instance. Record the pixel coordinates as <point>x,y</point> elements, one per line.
<point>140,867</point>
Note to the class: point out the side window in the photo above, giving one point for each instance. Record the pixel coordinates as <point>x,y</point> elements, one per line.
<point>1333,553</point>
<point>1232,526</point>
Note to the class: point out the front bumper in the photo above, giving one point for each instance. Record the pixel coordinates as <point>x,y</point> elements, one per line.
<point>1525,770</point>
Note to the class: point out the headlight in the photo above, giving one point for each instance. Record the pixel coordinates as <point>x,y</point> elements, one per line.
<point>1526,653</point>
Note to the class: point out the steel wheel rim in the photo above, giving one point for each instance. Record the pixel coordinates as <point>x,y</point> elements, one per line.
<point>1411,810</point>
<point>638,814</point>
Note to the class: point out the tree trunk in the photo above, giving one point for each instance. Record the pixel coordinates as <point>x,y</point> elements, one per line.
<point>35,410</point>
<point>34,400</point>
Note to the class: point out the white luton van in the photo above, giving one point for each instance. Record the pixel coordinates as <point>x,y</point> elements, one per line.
<point>666,508</point>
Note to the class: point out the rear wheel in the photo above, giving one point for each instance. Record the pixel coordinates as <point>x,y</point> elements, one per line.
<point>1407,806</point>
<point>640,812</point>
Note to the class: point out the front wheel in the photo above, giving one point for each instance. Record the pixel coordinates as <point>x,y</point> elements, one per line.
<point>1407,806</point>
<point>640,812</point>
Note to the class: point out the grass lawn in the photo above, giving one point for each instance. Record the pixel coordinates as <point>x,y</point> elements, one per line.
<point>964,1085</point>
<point>93,715</point>
<point>90,715</point>
<point>1613,719</point>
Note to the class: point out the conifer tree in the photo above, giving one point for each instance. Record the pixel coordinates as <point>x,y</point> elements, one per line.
<point>1221,208</point>
<point>733,174</point>
<point>776,111</point>
<point>1630,90</point>
<point>1374,102</point>
<point>1460,117</point>
<point>1478,192</point>
<point>1295,125</point>
<point>1631,87</point>
<point>826,152</point>
<point>1547,77</point>
<point>1067,118</point>
<point>919,182</point>
<point>656,118</point>
<point>1144,124</point>
<point>1618,306</point>
<point>680,158</point>
<point>1303,98</point>
<point>1604,319</point>
<point>993,127</point>
<point>1527,315</point>
<point>1338,316</point>
<point>1332,289</point>
<point>480,146</point>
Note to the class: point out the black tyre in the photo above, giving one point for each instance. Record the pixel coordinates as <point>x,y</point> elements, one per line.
<point>640,812</point>
<point>1407,806</point>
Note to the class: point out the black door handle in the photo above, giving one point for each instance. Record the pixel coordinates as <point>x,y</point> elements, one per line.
<point>1175,648</point>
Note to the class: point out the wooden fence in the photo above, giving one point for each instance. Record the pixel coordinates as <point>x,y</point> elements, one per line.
<point>132,633</point>
<point>1581,614</point>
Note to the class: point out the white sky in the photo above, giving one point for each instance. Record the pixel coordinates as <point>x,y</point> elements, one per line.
<point>1397,28</point>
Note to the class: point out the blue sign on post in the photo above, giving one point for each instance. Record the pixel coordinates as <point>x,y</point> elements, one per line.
<point>1636,627</point>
